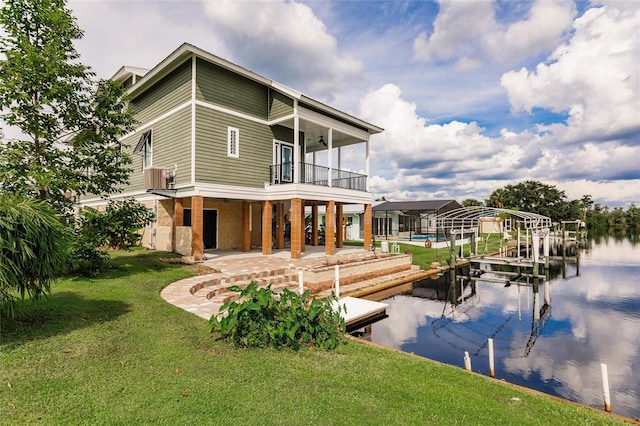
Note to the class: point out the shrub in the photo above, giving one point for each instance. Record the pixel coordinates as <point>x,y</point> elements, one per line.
<point>34,250</point>
<point>117,227</point>
<point>261,318</point>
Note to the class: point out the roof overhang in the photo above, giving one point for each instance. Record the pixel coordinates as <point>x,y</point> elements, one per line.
<point>186,50</point>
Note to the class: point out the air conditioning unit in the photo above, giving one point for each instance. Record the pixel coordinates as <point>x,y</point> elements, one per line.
<point>155,178</point>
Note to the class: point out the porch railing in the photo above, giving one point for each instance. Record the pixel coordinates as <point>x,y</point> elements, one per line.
<point>318,175</point>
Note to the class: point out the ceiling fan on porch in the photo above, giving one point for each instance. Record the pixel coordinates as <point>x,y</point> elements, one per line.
<point>321,141</point>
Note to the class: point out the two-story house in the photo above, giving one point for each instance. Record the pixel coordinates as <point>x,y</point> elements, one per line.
<point>222,154</point>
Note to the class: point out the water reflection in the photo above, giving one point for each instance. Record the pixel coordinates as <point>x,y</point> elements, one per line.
<point>548,335</point>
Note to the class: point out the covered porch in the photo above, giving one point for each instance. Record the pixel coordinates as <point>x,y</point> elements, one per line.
<point>200,224</point>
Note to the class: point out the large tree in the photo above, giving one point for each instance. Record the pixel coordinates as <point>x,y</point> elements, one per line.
<point>70,122</point>
<point>535,197</point>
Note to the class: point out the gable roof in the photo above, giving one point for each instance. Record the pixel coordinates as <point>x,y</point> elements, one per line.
<point>418,206</point>
<point>186,50</point>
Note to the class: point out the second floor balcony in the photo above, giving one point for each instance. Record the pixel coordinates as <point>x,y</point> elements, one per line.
<point>282,174</point>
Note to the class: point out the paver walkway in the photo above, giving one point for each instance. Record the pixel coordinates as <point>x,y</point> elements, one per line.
<point>229,267</point>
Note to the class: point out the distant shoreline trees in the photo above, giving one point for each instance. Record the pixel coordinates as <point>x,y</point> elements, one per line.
<point>547,200</point>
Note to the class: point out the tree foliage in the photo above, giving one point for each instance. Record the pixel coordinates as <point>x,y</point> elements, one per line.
<point>470,202</point>
<point>116,227</point>
<point>535,197</point>
<point>70,123</point>
<point>34,250</point>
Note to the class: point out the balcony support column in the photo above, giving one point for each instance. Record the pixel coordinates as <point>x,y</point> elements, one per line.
<point>368,221</point>
<point>280,226</point>
<point>339,225</point>
<point>197,242</point>
<point>178,220</point>
<point>267,216</point>
<point>330,229</point>
<point>246,227</point>
<point>296,227</point>
<point>303,239</point>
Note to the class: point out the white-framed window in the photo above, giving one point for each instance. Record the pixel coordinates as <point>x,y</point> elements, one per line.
<point>145,147</point>
<point>233,142</point>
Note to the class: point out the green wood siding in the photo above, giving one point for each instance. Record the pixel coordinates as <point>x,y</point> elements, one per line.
<point>171,144</point>
<point>224,88</point>
<point>282,133</point>
<point>279,105</point>
<point>212,163</point>
<point>168,93</point>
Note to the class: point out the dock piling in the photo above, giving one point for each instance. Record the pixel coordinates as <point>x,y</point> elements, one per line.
<point>492,372</point>
<point>605,388</point>
<point>467,361</point>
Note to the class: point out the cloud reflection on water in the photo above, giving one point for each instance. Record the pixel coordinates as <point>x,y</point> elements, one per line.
<point>594,318</point>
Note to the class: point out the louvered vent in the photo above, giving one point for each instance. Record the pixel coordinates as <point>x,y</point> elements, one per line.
<point>155,178</point>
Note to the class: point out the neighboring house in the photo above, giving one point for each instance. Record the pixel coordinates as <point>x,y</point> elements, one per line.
<point>405,218</point>
<point>352,223</point>
<point>222,154</point>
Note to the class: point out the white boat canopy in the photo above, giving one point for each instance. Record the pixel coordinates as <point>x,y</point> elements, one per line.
<point>470,217</point>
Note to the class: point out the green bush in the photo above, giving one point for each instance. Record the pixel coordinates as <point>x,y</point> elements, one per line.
<point>116,227</point>
<point>261,318</point>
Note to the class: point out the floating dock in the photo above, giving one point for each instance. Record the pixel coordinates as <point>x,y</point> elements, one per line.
<point>360,312</point>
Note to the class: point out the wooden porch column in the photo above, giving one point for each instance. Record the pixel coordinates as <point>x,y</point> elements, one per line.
<point>368,221</point>
<point>314,225</point>
<point>245,245</point>
<point>296,228</point>
<point>303,240</point>
<point>280,226</point>
<point>178,220</point>
<point>339,225</point>
<point>197,242</point>
<point>267,213</point>
<point>330,228</point>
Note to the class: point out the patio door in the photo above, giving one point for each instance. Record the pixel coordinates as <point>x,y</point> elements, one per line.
<point>283,160</point>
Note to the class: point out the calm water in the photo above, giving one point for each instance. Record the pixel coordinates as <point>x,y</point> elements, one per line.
<point>591,316</point>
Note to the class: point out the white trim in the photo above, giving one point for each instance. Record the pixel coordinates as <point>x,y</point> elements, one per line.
<point>157,119</point>
<point>239,193</point>
<point>325,121</point>
<point>233,142</point>
<point>317,192</point>
<point>330,155</point>
<point>231,112</point>
<point>146,154</point>
<point>366,163</point>
<point>281,119</point>
<point>193,118</point>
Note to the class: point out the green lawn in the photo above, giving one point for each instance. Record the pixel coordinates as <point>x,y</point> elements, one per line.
<point>109,350</point>
<point>423,256</point>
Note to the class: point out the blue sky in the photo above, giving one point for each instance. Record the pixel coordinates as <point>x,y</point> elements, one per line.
<point>473,94</point>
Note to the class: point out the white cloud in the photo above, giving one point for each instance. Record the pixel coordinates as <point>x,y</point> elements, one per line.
<point>288,37</point>
<point>469,31</point>
<point>594,77</point>
<point>458,27</point>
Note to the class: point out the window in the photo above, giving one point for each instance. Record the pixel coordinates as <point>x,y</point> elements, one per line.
<point>233,142</point>
<point>144,147</point>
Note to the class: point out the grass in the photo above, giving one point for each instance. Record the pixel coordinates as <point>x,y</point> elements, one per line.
<point>109,350</point>
<point>423,256</point>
